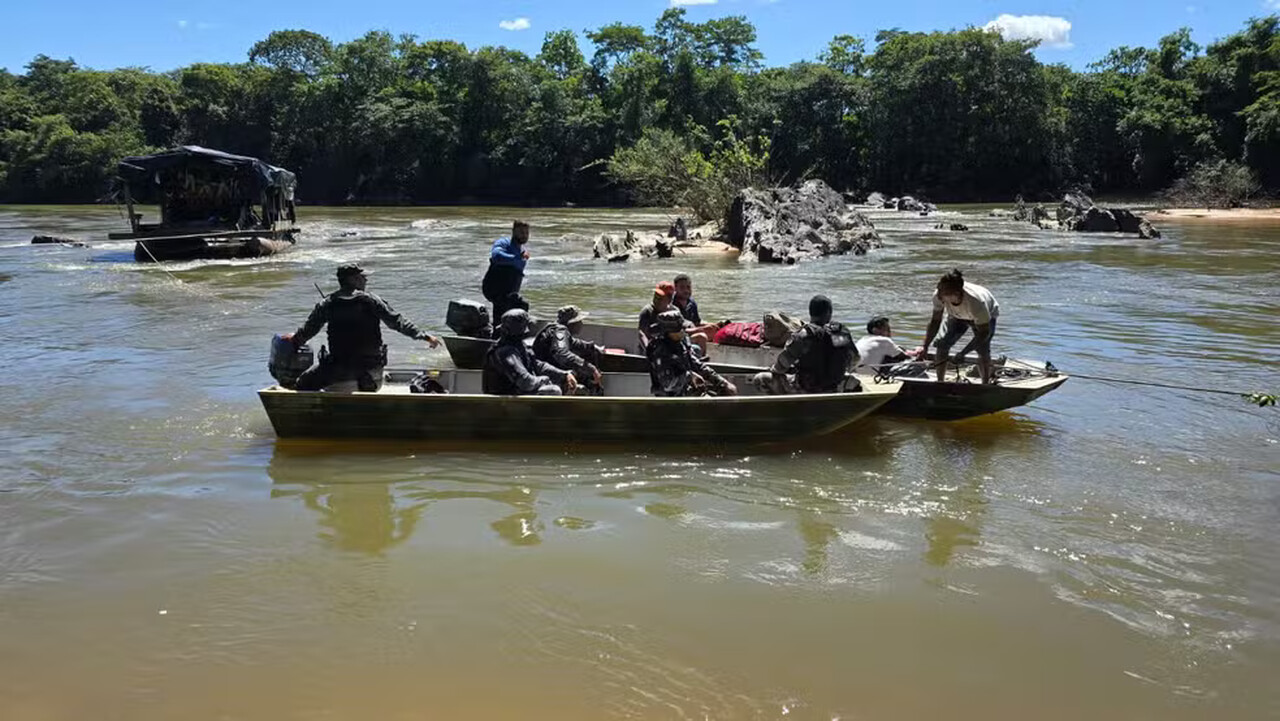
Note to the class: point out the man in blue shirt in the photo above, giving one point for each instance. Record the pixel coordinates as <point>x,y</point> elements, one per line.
<point>507,258</point>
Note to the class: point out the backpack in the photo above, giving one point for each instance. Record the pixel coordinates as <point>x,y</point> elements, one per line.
<point>778,327</point>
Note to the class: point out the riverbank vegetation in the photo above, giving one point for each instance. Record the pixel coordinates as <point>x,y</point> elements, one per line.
<point>671,114</point>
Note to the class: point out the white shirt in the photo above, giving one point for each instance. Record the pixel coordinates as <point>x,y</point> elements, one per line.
<point>874,351</point>
<point>978,305</point>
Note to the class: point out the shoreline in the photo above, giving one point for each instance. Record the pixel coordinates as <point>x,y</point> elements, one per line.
<point>1216,215</point>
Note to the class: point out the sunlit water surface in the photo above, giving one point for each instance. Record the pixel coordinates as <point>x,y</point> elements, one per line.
<point>1110,552</point>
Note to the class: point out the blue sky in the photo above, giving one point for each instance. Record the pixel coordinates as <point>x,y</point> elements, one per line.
<point>164,34</point>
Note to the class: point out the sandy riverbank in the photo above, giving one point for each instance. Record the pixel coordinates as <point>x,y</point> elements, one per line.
<point>1217,214</point>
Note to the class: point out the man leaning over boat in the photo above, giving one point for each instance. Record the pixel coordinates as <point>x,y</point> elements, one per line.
<point>355,318</point>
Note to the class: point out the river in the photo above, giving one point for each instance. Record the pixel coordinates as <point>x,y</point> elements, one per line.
<point>1110,552</point>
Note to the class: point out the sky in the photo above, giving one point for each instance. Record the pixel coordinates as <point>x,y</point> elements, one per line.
<point>166,34</point>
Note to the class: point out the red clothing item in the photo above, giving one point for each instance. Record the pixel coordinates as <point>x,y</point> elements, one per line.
<point>742,334</point>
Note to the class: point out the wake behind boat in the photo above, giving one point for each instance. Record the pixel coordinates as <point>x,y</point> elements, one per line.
<point>626,412</point>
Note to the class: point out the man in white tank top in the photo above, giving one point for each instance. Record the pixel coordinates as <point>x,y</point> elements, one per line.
<point>967,306</point>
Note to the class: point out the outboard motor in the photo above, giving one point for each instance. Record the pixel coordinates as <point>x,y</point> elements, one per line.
<point>288,363</point>
<point>469,318</point>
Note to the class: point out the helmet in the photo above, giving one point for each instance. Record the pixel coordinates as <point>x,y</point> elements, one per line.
<point>516,323</point>
<point>670,321</point>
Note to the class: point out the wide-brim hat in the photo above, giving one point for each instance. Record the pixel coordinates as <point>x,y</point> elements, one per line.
<point>571,314</point>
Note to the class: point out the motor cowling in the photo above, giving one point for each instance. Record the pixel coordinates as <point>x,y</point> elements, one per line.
<point>288,362</point>
<point>469,318</point>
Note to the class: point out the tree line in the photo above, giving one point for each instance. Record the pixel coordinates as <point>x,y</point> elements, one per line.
<point>952,116</point>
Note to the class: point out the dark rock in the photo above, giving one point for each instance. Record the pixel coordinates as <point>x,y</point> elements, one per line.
<point>910,204</point>
<point>664,248</point>
<point>959,227</point>
<point>1094,220</point>
<point>1126,220</point>
<point>785,225</point>
<point>1039,213</point>
<point>1147,231</point>
<point>56,240</point>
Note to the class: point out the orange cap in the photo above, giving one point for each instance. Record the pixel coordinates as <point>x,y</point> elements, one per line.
<point>666,288</point>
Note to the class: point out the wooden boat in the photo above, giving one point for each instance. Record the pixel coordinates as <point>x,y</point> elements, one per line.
<point>212,205</point>
<point>920,397</point>
<point>625,413</point>
<point>955,400</point>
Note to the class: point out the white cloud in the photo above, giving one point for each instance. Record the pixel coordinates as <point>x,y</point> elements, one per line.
<point>517,24</point>
<point>1271,4</point>
<point>686,3</point>
<point>1052,32</point>
<point>182,24</point>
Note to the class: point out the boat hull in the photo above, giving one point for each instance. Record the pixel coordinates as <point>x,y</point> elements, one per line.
<point>951,401</point>
<point>394,413</point>
<point>196,248</point>
<point>920,398</point>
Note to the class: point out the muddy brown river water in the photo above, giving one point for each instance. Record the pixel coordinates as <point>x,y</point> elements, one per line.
<point>1110,552</point>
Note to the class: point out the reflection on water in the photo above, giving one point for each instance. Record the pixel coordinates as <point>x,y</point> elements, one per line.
<point>1112,541</point>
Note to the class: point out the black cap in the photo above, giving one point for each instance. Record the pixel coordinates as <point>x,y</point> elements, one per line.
<point>820,308</point>
<point>350,269</point>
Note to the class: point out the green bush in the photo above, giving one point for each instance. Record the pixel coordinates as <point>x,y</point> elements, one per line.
<point>665,169</point>
<point>1215,184</point>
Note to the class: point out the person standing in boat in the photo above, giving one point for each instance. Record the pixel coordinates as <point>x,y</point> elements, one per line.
<point>967,307</point>
<point>877,352</point>
<point>816,358</point>
<point>559,345</point>
<point>511,369</point>
<point>674,368</point>
<point>507,259</point>
<point>355,319</point>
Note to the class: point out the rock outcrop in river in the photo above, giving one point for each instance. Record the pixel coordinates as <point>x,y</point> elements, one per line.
<point>1078,213</point>
<point>786,225</point>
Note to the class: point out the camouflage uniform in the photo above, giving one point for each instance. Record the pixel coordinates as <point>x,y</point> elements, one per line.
<point>673,363</point>
<point>355,352</point>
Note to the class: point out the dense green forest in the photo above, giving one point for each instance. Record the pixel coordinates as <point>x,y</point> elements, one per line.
<point>960,115</point>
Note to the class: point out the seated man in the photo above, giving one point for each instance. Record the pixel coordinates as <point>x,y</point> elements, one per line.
<point>673,366</point>
<point>510,369</point>
<point>688,307</point>
<point>815,360</point>
<point>877,353</point>
<point>559,345</point>
<point>968,306</point>
<point>663,295</point>
<point>356,353</point>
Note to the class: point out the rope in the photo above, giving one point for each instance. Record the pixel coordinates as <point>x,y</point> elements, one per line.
<point>185,286</point>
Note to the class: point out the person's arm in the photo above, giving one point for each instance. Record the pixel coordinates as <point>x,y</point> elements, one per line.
<point>980,334</point>
<point>590,354</point>
<point>506,251</point>
<point>319,316</point>
<point>715,379</point>
<point>562,354</point>
<point>932,331</point>
<point>399,323</point>
<point>791,353</point>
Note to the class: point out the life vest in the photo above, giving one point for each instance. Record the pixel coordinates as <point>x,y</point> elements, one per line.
<point>823,367</point>
<point>493,379</point>
<point>355,330</point>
